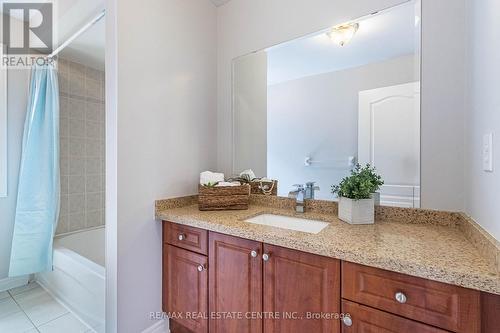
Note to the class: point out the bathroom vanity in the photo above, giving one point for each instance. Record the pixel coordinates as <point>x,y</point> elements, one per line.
<point>223,274</point>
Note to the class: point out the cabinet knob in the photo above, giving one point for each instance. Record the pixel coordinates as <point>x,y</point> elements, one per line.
<point>254,254</point>
<point>265,257</point>
<point>347,321</point>
<point>201,268</point>
<point>400,297</point>
<point>181,237</point>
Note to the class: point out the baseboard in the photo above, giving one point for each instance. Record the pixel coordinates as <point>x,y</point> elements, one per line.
<point>9,283</point>
<point>159,327</point>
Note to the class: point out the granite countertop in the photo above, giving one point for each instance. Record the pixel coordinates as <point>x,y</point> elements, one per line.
<point>428,250</point>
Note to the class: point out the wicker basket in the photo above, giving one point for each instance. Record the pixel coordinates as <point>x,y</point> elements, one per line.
<point>223,198</point>
<point>271,188</point>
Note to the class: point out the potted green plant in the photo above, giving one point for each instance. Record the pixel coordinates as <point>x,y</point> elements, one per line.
<point>369,172</point>
<point>356,199</point>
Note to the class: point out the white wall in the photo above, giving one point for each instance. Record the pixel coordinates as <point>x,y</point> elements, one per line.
<point>317,116</point>
<point>483,112</point>
<point>166,125</point>
<point>246,26</point>
<point>18,85</point>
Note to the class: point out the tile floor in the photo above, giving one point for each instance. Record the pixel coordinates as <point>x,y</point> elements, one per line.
<point>30,309</point>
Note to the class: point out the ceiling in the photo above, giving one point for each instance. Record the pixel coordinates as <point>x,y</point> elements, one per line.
<point>220,2</point>
<point>389,34</point>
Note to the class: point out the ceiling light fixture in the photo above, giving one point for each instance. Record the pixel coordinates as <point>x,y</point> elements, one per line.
<point>343,34</point>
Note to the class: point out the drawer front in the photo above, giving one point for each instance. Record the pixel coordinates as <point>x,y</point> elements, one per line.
<point>364,319</point>
<point>449,307</point>
<point>185,237</point>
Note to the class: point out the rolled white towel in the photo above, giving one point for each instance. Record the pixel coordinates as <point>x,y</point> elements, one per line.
<point>248,174</point>
<point>209,177</point>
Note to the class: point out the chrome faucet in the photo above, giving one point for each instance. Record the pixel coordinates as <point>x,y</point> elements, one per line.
<point>310,189</point>
<point>301,194</point>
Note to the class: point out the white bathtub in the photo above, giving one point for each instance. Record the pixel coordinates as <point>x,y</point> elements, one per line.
<point>79,279</point>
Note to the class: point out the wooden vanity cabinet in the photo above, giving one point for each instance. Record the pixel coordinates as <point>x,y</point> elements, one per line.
<point>185,287</point>
<point>272,285</point>
<point>229,284</point>
<point>235,277</point>
<point>303,286</point>
<point>247,286</point>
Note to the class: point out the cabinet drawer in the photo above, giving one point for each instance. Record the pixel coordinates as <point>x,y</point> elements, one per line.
<point>449,307</point>
<point>185,237</point>
<point>367,320</point>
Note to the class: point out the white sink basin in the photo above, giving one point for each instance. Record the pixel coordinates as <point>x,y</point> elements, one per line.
<point>291,223</point>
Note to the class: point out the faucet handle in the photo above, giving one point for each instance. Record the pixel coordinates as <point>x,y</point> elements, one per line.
<point>312,185</point>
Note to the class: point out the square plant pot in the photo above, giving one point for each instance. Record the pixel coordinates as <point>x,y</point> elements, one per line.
<point>357,211</point>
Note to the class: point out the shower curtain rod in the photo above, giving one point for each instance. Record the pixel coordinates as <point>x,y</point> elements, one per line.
<point>78,33</point>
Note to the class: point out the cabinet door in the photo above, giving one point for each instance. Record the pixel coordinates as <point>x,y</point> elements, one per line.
<point>235,284</point>
<point>185,282</point>
<point>297,285</point>
<point>364,319</point>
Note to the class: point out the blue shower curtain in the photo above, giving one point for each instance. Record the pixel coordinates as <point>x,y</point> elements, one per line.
<point>37,207</point>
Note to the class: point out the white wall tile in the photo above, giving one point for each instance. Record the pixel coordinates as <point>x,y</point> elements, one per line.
<point>93,89</point>
<point>64,127</point>
<point>93,183</point>
<point>62,224</point>
<point>64,184</point>
<point>77,221</point>
<point>77,86</point>
<point>82,146</point>
<point>93,147</point>
<point>64,204</point>
<point>76,108</point>
<point>76,128</point>
<point>63,107</point>
<point>93,202</point>
<point>76,165</point>
<point>92,166</point>
<point>94,219</point>
<point>92,130</point>
<point>64,163</point>
<point>76,146</point>
<point>76,184</point>
<point>92,111</point>
<point>76,203</point>
<point>76,69</point>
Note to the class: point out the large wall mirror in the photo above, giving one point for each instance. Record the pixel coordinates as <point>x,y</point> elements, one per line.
<point>309,109</point>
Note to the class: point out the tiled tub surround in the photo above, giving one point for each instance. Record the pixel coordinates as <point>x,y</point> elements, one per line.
<point>422,243</point>
<point>82,147</point>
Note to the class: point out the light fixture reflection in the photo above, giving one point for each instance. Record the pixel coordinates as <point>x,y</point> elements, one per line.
<point>343,34</point>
